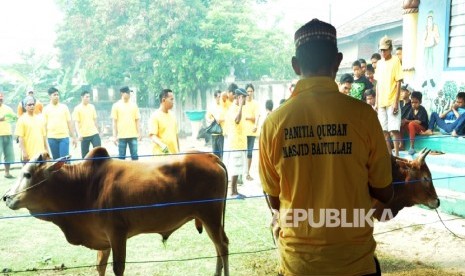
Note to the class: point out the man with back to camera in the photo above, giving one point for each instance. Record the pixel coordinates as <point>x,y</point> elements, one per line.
<point>314,133</point>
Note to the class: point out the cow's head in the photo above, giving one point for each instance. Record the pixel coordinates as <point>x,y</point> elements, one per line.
<point>419,187</point>
<point>34,176</point>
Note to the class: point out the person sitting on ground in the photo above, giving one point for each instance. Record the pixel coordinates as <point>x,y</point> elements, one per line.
<point>370,97</point>
<point>416,120</point>
<point>345,83</point>
<point>452,121</point>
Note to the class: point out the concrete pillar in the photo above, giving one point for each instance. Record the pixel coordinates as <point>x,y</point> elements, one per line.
<point>409,38</point>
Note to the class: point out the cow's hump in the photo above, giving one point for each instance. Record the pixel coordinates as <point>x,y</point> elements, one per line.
<point>97,155</point>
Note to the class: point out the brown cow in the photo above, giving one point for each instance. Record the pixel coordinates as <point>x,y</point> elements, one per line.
<point>412,183</point>
<point>104,183</point>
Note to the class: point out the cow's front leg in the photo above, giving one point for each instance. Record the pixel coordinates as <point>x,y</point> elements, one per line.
<point>102,261</point>
<point>118,247</point>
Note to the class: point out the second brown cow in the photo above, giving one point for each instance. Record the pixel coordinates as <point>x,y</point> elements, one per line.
<point>413,184</point>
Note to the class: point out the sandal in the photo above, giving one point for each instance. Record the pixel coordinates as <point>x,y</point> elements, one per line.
<point>9,176</point>
<point>249,178</point>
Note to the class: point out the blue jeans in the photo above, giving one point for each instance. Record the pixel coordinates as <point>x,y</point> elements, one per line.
<point>218,145</point>
<point>127,142</point>
<point>447,127</point>
<point>59,147</point>
<point>86,141</point>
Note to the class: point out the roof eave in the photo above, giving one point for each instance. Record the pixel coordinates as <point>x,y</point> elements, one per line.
<point>373,29</point>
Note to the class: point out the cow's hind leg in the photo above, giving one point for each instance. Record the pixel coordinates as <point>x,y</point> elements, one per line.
<point>102,261</point>
<point>216,232</point>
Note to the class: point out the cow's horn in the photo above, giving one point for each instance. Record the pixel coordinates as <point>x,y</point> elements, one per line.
<point>422,155</point>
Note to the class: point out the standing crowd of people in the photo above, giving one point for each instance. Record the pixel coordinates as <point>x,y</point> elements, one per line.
<point>52,128</point>
<point>236,111</point>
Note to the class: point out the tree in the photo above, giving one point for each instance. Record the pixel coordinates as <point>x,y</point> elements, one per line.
<point>32,73</point>
<point>185,45</point>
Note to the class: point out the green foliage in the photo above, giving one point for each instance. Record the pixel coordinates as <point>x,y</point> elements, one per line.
<point>33,73</point>
<point>185,45</point>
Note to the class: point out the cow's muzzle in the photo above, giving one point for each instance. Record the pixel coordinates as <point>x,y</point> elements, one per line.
<point>434,203</point>
<point>8,199</point>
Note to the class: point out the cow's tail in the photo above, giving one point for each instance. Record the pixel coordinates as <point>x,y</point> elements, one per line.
<point>225,190</point>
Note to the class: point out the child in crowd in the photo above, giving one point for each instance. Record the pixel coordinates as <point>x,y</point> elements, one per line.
<point>405,105</point>
<point>361,83</point>
<point>370,74</point>
<point>370,97</point>
<point>345,83</point>
<point>416,120</point>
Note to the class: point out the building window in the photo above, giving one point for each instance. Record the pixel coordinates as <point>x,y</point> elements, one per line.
<point>456,30</point>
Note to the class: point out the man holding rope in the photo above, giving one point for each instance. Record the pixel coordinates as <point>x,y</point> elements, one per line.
<point>320,151</point>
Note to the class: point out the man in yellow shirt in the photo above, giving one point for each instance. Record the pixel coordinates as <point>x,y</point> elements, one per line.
<point>58,125</point>
<point>163,128</point>
<point>389,77</point>
<point>6,139</point>
<point>85,118</point>
<point>252,117</point>
<point>126,129</point>
<point>236,161</point>
<point>30,130</point>
<point>322,157</point>
<point>217,112</point>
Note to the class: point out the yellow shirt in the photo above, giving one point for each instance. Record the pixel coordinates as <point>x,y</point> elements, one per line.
<point>250,110</point>
<point>32,129</point>
<point>126,115</point>
<point>164,126</point>
<point>320,151</point>
<point>388,73</point>
<point>85,116</point>
<point>218,112</point>
<point>5,126</point>
<point>56,120</point>
<point>236,132</point>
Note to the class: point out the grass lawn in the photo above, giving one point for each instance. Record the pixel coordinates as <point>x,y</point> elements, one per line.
<point>31,244</point>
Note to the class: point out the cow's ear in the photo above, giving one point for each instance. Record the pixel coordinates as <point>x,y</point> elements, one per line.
<point>43,158</point>
<point>58,163</point>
